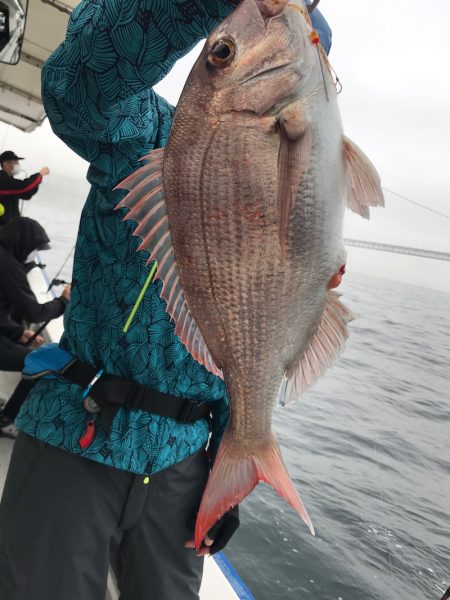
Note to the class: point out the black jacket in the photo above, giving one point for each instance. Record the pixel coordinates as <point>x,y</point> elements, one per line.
<point>17,239</point>
<point>12,190</point>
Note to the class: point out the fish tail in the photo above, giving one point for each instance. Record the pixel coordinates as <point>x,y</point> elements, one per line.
<point>235,474</point>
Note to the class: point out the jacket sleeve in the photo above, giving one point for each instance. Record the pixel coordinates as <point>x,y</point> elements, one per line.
<point>22,188</point>
<point>16,287</point>
<point>97,86</point>
<point>11,329</point>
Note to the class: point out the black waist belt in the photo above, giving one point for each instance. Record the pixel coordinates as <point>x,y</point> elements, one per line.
<point>111,393</point>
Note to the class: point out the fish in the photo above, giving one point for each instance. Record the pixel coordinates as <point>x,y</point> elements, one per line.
<point>243,210</point>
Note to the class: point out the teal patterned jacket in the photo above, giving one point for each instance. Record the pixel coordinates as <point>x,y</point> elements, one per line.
<point>97,91</point>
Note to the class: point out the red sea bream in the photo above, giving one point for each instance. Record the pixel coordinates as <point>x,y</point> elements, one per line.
<point>243,210</point>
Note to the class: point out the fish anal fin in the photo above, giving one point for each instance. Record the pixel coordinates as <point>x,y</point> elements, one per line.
<point>293,162</point>
<point>362,180</point>
<point>235,474</point>
<point>146,202</point>
<point>322,351</point>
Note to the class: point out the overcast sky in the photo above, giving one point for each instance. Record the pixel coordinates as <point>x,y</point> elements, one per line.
<point>392,57</point>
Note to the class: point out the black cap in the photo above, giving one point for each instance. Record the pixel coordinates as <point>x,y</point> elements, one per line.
<point>9,155</point>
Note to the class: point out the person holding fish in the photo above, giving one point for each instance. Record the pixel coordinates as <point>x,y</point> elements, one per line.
<point>110,464</point>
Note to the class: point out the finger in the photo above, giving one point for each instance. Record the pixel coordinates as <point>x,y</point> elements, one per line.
<point>203,552</point>
<point>207,541</point>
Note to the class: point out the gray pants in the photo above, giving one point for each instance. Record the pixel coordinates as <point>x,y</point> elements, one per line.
<point>63,519</point>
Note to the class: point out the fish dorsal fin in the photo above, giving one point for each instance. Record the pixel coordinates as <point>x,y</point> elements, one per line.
<point>148,208</point>
<point>323,349</point>
<point>293,162</point>
<point>362,179</point>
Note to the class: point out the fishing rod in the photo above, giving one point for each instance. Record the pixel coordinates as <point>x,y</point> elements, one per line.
<point>55,280</point>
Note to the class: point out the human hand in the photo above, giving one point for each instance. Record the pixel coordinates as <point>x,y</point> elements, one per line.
<point>66,292</point>
<point>219,535</point>
<point>44,171</point>
<point>27,335</point>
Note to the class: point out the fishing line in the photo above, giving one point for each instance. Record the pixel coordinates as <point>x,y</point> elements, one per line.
<point>436,212</point>
<point>337,82</point>
<point>380,487</point>
<point>150,278</point>
<point>55,280</point>
<point>315,39</point>
<point>322,71</point>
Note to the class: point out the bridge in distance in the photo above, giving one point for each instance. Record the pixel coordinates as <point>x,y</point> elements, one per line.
<point>398,249</point>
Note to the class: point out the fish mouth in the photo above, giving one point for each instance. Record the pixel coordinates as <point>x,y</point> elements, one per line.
<point>266,73</point>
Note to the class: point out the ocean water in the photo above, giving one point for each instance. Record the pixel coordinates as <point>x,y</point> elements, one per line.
<point>368,447</point>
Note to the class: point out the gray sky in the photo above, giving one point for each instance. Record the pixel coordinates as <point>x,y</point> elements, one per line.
<point>392,59</point>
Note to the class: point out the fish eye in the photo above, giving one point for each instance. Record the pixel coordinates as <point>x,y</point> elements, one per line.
<point>222,53</point>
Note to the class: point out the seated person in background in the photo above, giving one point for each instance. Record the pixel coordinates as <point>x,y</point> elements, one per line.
<point>19,240</point>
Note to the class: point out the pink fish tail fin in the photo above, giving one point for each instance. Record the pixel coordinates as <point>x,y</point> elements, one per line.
<point>235,474</point>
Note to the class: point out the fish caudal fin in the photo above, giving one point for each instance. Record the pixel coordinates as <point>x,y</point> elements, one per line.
<point>323,349</point>
<point>235,474</point>
<point>363,181</point>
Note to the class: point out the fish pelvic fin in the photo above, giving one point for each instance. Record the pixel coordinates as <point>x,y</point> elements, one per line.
<point>294,158</point>
<point>323,350</point>
<point>235,473</point>
<point>362,180</point>
<point>147,206</point>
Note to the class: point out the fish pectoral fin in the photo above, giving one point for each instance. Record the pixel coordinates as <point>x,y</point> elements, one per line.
<point>294,157</point>
<point>236,472</point>
<point>148,208</point>
<point>362,180</point>
<point>323,349</point>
